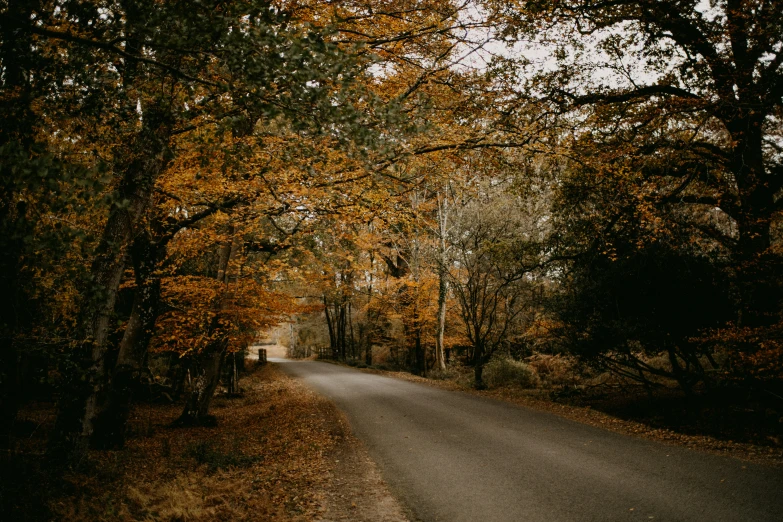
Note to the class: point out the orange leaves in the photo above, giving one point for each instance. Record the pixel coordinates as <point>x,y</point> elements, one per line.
<point>201,311</point>
<point>755,353</point>
<point>766,362</point>
<point>191,321</point>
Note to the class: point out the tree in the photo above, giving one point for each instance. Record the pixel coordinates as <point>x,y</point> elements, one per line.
<point>123,80</point>
<point>215,303</point>
<point>443,281</point>
<point>620,311</point>
<point>670,112</point>
<point>496,249</point>
<point>44,182</point>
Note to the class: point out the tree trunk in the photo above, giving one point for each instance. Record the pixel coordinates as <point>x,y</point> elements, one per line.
<point>421,359</point>
<point>351,338</point>
<point>367,339</point>
<point>372,316</point>
<point>233,378</point>
<point>680,374</point>
<point>443,283</point>
<point>330,324</point>
<point>480,359</point>
<point>478,371</point>
<point>79,404</point>
<point>440,360</point>
<point>204,378</point>
<point>110,424</point>
<point>340,330</point>
<point>207,367</point>
<point>755,263</point>
<point>111,421</point>
<point>292,348</point>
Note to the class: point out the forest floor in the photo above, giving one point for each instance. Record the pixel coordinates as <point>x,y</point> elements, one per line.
<point>744,430</point>
<point>279,452</point>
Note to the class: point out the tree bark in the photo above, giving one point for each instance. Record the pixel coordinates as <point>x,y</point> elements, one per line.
<point>351,339</point>
<point>367,338</point>
<point>233,379</point>
<point>755,268</point>
<point>330,324</point>
<point>421,359</point>
<point>112,420</point>
<point>440,359</point>
<point>204,377</point>
<point>478,371</point>
<point>340,311</point>
<point>79,404</point>
<point>443,283</point>
<point>372,316</point>
<point>337,326</point>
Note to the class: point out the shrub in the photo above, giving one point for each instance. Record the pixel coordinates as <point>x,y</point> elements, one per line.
<point>451,373</point>
<point>503,371</point>
<point>456,373</point>
<point>554,370</point>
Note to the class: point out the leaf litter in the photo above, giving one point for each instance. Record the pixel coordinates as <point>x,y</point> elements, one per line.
<point>280,452</point>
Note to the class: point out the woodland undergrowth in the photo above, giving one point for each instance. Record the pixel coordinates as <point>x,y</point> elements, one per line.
<point>265,460</point>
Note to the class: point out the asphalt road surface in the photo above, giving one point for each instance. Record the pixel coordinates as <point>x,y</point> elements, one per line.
<point>451,456</point>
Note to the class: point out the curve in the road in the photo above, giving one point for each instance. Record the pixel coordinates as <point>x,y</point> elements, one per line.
<point>453,456</point>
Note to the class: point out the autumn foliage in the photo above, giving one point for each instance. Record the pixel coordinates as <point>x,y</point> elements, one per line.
<point>424,185</point>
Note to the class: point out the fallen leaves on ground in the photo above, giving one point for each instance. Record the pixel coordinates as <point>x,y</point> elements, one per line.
<point>267,459</point>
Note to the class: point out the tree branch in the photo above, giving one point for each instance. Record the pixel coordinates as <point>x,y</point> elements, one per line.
<point>61,35</point>
<point>619,97</point>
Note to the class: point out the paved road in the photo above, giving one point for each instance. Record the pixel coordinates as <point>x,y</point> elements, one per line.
<point>455,457</point>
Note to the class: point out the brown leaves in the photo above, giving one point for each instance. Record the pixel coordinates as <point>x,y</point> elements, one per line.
<point>269,459</point>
